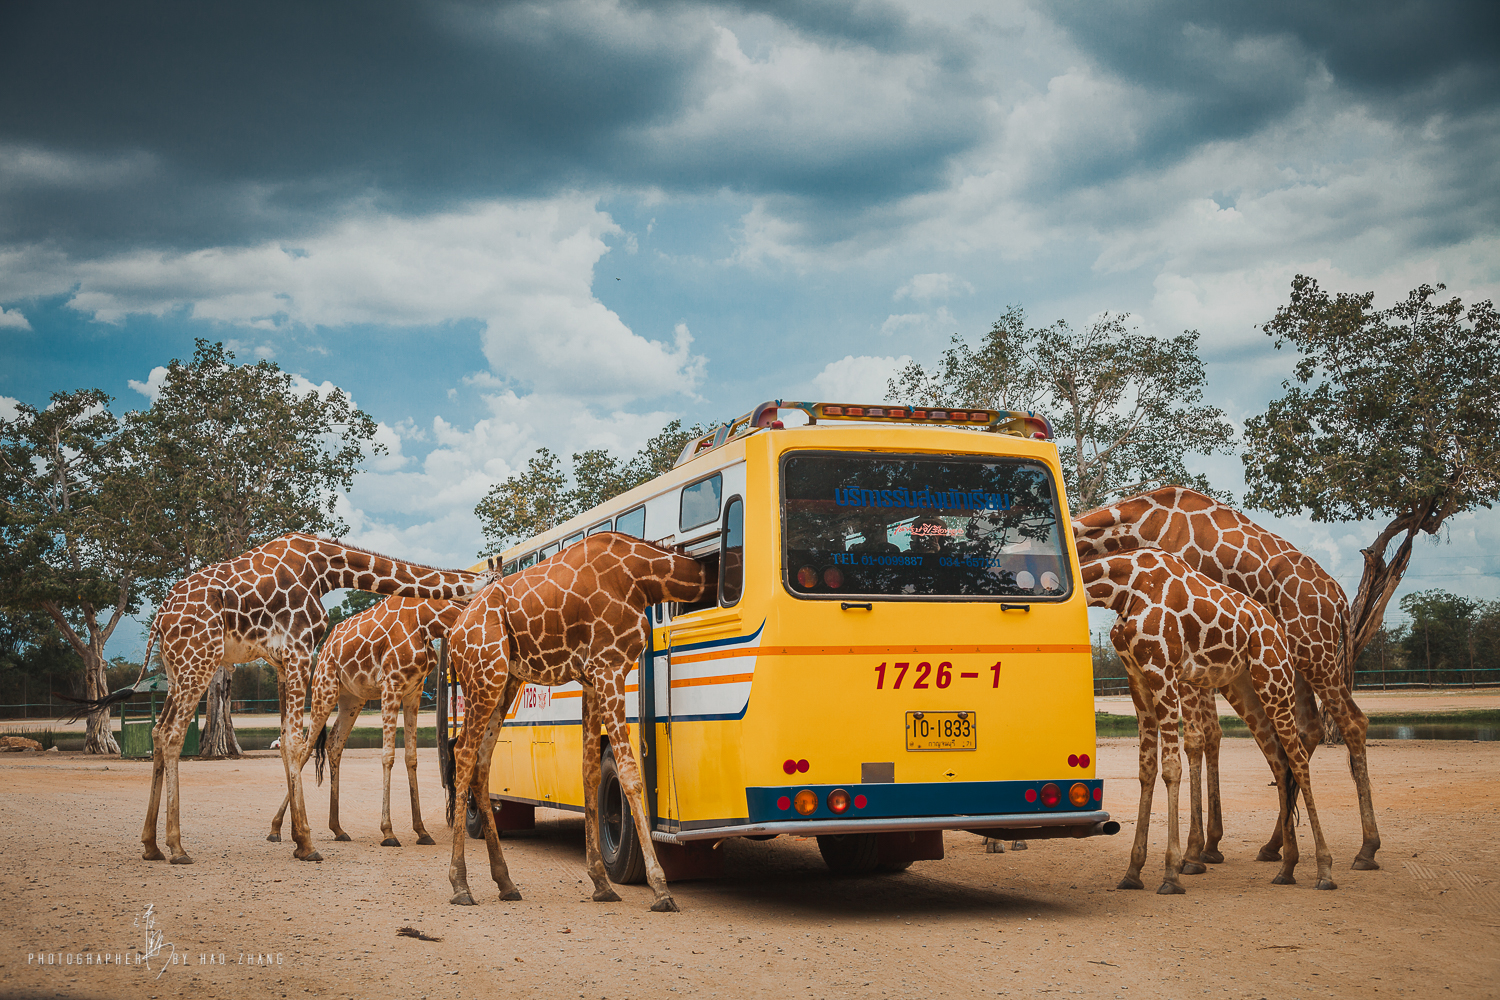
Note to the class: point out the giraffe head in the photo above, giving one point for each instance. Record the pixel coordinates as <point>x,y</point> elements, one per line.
<point>663,573</point>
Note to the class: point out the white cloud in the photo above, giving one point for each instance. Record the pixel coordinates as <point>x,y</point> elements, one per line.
<point>925,287</point>
<point>911,324</point>
<point>9,408</point>
<point>858,379</point>
<point>151,388</point>
<point>13,319</point>
<point>524,269</point>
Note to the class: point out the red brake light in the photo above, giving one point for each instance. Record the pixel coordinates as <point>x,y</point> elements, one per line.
<point>1051,795</point>
<point>783,803</point>
<point>807,578</point>
<point>838,801</point>
<point>860,801</point>
<point>834,577</point>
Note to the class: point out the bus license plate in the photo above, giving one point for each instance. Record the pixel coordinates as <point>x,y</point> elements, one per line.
<point>942,731</point>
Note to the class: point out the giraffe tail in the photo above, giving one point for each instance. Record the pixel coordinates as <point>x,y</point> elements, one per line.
<point>320,753</point>
<point>88,706</point>
<point>447,766</point>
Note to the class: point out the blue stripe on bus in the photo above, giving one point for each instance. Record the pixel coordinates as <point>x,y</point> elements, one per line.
<point>712,643</point>
<point>560,722</point>
<point>931,798</point>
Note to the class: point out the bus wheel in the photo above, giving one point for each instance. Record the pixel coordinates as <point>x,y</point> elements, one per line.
<point>474,820</point>
<point>619,843</point>
<point>850,853</point>
<point>894,866</point>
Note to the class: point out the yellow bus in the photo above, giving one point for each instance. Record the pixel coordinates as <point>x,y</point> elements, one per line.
<point>898,645</point>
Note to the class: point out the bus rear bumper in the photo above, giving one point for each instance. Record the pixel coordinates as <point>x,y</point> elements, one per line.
<point>1016,826</point>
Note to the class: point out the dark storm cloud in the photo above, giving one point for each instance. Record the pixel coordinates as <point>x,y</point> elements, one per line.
<point>174,122</point>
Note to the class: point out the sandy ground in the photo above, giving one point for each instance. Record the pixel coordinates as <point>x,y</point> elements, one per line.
<point>1047,920</point>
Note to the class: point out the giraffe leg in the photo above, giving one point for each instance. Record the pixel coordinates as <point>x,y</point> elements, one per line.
<point>168,736</point>
<point>1145,714</point>
<point>349,707</point>
<point>499,871</point>
<point>324,696</point>
<point>275,835</point>
<point>410,727</point>
<point>632,786</point>
<point>1240,694</point>
<point>1193,724</point>
<point>387,763</point>
<point>291,747</point>
<point>484,702</point>
<point>1354,724</point>
<point>149,849</point>
<point>1303,774</point>
<point>1213,735</point>
<point>592,724</point>
<point>1171,773</point>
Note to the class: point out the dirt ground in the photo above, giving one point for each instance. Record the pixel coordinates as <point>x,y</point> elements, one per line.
<point>249,921</point>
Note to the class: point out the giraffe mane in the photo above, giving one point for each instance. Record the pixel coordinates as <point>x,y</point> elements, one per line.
<point>371,552</point>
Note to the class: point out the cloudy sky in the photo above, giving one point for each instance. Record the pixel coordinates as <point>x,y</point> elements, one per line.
<point>500,226</point>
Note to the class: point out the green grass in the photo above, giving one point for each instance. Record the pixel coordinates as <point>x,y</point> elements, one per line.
<point>362,737</point>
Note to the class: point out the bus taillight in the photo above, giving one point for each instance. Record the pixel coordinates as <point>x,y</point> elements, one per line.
<point>806,802</point>
<point>838,801</point>
<point>834,577</point>
<point>1051,795</point>
<point>807,578</point>
<point>1079,795</point>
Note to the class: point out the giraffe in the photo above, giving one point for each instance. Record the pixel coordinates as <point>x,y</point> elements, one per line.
<point>578,616</point>
<point>382,652</point>
<point>265,603</point>
<point>1226,546</point>
<point>1177,627</point>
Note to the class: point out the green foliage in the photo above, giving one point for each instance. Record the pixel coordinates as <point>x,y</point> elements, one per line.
<point>1396,411</point>
<point>531,502</point>
<point>1126,408</point>
<point>1395,415</point>
<point>239,455</point>
<point>353,603</point>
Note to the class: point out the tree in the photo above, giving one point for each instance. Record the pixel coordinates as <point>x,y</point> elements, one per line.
<point>240,455</point>
<point>1127,407</point>
<point>1395,415</point>
<point>538,499</point>
<point>76,530</point>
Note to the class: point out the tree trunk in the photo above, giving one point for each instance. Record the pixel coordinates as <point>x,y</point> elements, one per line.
<point>98,737</point>
<point>217,739</point>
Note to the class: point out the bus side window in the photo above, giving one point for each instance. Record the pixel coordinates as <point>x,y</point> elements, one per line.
<point>700,502</point>
<point>512,567</point>
<point>606,526</point>
<point>632,522</point>
<point>732,553</point>
<point>572,539</point>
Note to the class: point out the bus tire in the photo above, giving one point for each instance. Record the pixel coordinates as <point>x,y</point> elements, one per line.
<point>474,820</point>
<point>619,844</point>
<point>894,866</point>
<point>850,853</point>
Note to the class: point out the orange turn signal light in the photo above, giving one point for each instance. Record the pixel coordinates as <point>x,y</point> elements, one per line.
<point>806,802</point>
<point>1079,795</point>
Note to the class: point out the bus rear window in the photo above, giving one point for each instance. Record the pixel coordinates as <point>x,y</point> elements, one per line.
<point>915,526</point>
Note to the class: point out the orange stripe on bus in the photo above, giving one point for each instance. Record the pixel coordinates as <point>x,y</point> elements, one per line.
<point>688,682</point>
<point>725,654</point>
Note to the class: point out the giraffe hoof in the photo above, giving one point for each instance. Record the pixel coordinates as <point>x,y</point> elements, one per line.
<point>274,838</point>
<point>309,856</point>
<point>462,899</point>
<point>1130,883</point>
<point>388,842</point>
<point>605,894</point>
<point>342,836</point>
<point>1019,845</point>
<point>182,859</point>
<point>511,896</point>
<point>1326,883</point>
<point>1283,880</point>
<point>994,847</point>
<point>1267,854</point>
<point>153,854</point>
<point>1170,889</point>
<point>425,839</point>
<point>1213,857</point>
<point>665,905</point>
<point>1193,868</point>
<point>1365,865</point>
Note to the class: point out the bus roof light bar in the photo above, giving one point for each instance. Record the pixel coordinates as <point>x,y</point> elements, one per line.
<point>1019,423</point>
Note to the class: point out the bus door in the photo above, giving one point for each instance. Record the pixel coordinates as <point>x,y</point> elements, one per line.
<point>654,694</point>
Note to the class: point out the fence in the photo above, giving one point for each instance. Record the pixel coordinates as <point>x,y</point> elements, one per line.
<point>139,708</point>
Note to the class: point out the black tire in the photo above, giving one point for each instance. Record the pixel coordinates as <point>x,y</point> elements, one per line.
<point>619,844</point>
<point>850,853</point>
<point>894,866</point>
<point>474,820</point>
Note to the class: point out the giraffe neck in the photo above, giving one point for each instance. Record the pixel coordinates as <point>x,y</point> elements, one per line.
<point>356,569</point>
